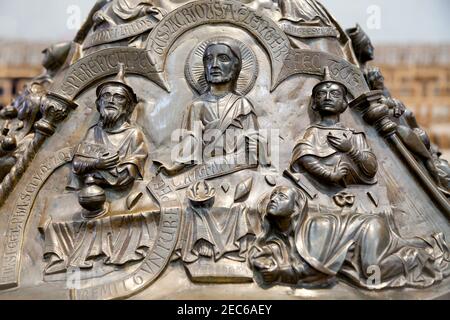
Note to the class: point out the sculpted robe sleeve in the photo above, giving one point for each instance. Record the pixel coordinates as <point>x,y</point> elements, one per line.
<point>133,153</point>
<point>246,119</point>
<point>307,153</point>
<point>191,115</point>
<point>188,140</point>
<point>363,156</point>
<point>82,165</point>
<point>245,116</point>
<point>316,155</point>
<point>135,156</point>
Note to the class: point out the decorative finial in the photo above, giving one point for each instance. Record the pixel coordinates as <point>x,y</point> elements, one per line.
<point>119,80</point>
<point>121,75</point>
<point>327,78</point>
<point>327,75</point>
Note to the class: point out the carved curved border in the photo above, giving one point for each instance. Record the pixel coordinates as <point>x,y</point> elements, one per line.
<point>157,258</point>
<point>102,64</point>
<point>152,266</point>
<point>198,13</point>
<point>78,77</point>
<point>17,222</point>
<point>313,63</point>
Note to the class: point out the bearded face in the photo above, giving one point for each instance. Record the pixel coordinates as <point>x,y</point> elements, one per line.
<point>221,65</point>
<point>113,105</point>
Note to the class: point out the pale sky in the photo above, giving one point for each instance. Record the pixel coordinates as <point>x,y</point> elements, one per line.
<point>400,21</point>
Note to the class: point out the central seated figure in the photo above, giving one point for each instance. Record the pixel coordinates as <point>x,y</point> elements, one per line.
<point>227,120</point>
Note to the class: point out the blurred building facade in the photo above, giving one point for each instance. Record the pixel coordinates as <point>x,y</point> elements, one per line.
<point>19,62</point>
<point>420,77</point>
<point>417,75</point>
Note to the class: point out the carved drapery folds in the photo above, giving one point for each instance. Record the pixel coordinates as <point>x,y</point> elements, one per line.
<point>329,151</point>
<point>262,156</point>
<point>125,21</point>
<point>398,124</point>
<point>311,246</point>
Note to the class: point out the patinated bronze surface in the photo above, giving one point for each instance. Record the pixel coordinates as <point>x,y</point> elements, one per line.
<point>218,149</point>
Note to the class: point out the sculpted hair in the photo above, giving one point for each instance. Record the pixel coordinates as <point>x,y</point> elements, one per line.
<point>301,208</point>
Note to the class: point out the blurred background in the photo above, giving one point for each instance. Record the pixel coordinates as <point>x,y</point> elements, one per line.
<point>412,41</point>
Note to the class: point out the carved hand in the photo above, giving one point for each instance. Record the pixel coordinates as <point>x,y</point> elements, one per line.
<point>107,162</point>
<point>396,107</point>
<point>268,269</point>
<point>339,173</point>
<point>125,177</point>
<point>399,108</point>
<point>342,144</point>
<point>270,276</point>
